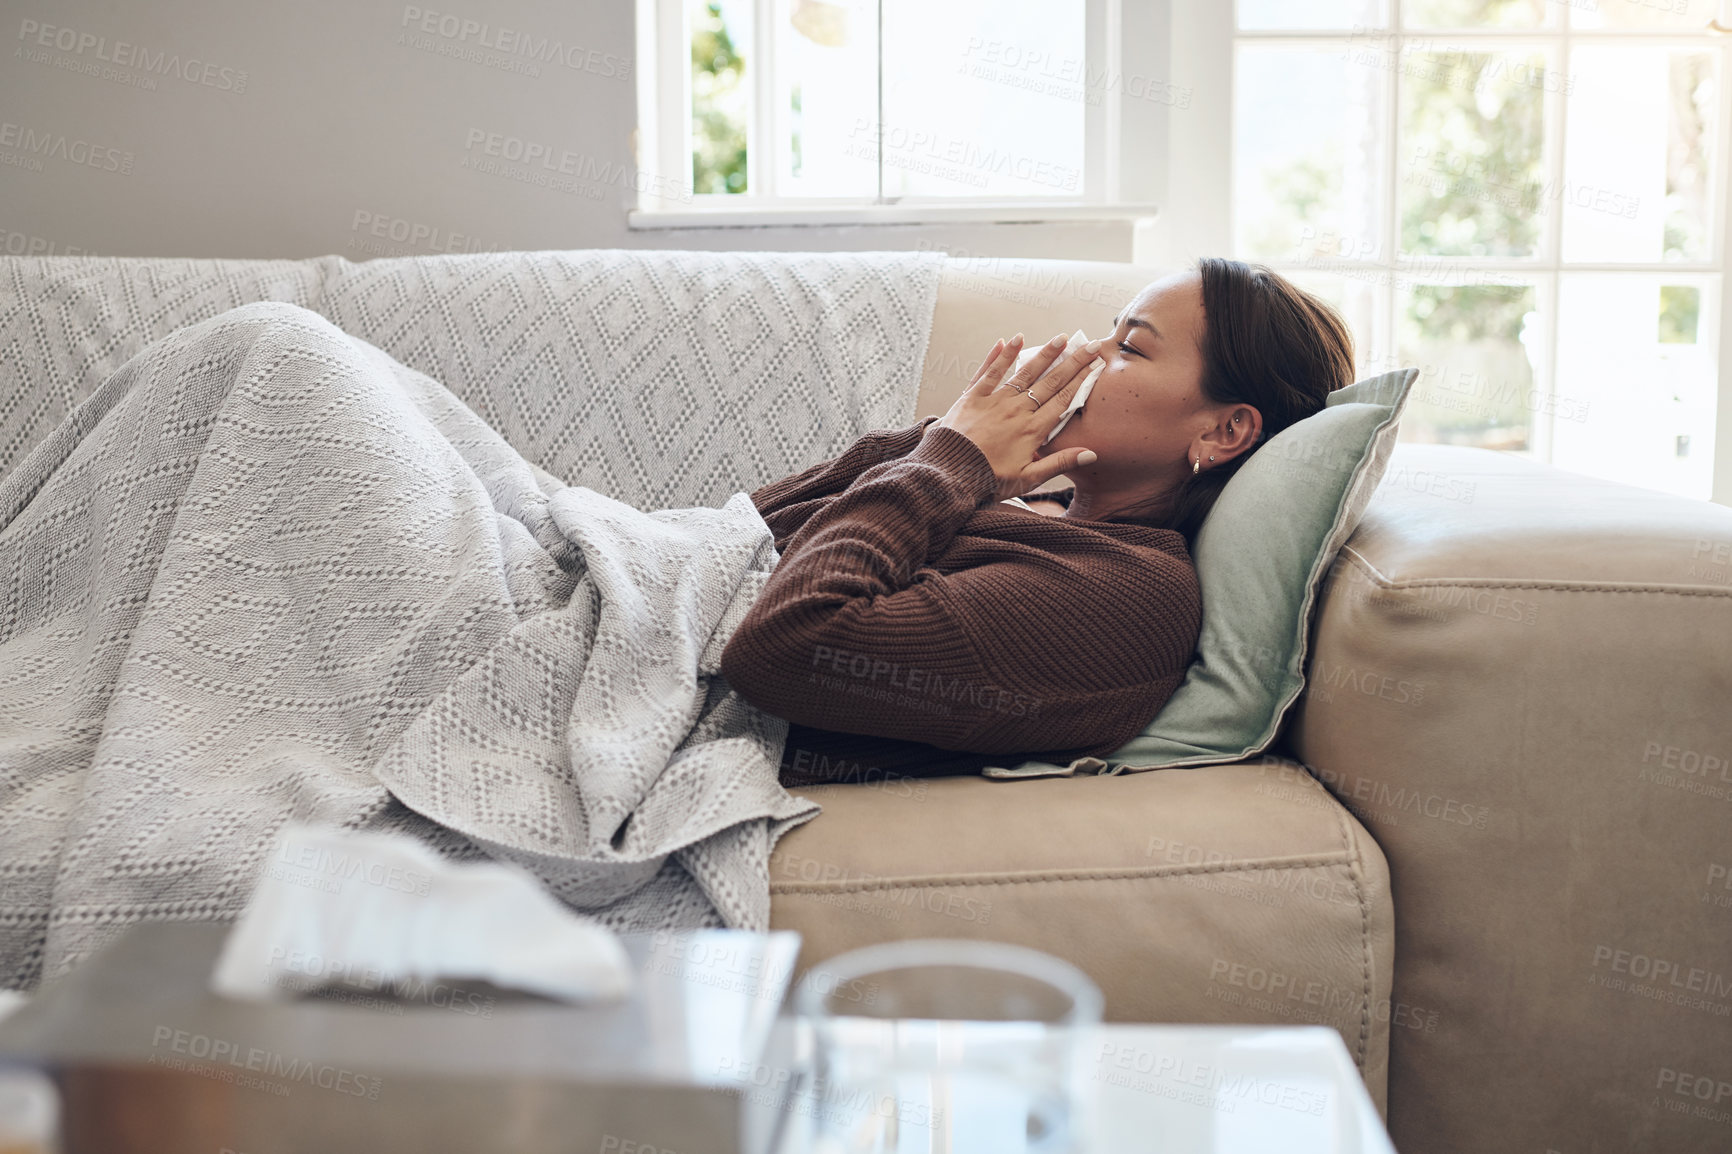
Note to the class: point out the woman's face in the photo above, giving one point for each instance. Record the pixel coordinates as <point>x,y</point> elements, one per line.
<point>1147,408</point>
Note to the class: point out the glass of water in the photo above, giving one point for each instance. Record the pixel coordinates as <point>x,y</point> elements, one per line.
<point>952,1046</point>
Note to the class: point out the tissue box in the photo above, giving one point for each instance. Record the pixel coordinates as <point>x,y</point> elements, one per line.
<point>147,1059</point>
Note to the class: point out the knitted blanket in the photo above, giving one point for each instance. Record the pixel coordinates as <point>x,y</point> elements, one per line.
<point>268,573</point>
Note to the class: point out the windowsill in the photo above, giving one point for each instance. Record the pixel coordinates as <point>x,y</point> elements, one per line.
<point>808,216</point>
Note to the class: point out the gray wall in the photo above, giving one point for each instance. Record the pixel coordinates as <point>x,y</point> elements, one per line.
<point>294,128</point>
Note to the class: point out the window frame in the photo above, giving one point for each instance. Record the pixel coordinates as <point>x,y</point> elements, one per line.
<point>664,133</point>
<point>1548,267</point>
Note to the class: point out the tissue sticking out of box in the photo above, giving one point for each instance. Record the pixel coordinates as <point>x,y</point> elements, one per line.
<point>1088,381</point>
<point>371,911</point>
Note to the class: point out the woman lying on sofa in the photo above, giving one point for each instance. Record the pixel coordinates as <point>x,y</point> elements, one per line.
<point>922,622</point>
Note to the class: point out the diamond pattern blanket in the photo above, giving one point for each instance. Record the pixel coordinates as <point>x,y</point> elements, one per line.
<point>265,572</point>
<point>663,379</point>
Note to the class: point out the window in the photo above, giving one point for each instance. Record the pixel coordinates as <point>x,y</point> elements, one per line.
<point>1523,198</point>
<point>893,109</point>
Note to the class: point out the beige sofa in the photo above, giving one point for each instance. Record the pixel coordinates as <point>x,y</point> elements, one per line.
<point>1492,847</point>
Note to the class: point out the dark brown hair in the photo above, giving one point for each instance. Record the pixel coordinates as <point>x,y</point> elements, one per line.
<point>1266,343</point>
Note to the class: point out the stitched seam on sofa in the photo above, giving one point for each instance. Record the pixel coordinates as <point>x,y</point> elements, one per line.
<point>1505,583</point>
<point>934,881</point>
<point>1349,842</point>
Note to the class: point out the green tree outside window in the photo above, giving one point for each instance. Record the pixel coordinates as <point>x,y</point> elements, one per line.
<point>718,105</point>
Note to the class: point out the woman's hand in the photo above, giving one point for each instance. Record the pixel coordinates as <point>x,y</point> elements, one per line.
<point>1001,418</point>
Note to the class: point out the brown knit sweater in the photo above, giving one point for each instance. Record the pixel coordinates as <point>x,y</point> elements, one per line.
<point>916,626</point>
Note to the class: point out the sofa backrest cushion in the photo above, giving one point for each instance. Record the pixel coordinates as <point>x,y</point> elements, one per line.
<point>1261,555</point>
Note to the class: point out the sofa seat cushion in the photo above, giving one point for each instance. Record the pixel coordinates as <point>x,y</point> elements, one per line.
<point>1240,893</point>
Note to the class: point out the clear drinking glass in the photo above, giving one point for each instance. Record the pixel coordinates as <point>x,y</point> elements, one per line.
<point>949,1046</point>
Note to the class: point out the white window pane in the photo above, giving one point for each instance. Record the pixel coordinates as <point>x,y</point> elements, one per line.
<point>1472,145</point>
<point>1638,354</point>
<point>1681,15</point>
<point>1306,154</point>
<point>1633,191</point>
<point>1479,13</point>
<point>1692,139</point>
<point>721,38</point>
<point>985,98</point>
<point>1477,347</point>
<point>1265,15</point>
<point>827,97</point>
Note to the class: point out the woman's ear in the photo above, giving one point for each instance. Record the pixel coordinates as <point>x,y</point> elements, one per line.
<point>1238,432</point>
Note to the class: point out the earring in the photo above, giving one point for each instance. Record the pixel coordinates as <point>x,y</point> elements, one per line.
<point>1211,456</point>
<point>1197,464</point>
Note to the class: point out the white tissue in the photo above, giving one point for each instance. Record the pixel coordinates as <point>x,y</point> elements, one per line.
<point>1082,394</point>
<point>377,911</point>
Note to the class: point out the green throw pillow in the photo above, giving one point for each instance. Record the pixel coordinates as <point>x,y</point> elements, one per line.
<point>1261,555</point>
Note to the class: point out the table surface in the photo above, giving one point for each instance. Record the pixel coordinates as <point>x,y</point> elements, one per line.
<point>1179,1090</point>
<point>1173,1089</point>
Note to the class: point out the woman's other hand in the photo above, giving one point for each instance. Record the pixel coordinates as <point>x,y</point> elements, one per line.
<point>1001,418</point>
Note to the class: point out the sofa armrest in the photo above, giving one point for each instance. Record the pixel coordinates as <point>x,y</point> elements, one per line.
<point>1521,684</point>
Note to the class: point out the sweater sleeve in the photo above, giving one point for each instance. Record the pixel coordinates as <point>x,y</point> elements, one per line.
<point>785,505</point>
<point>857,632</point>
